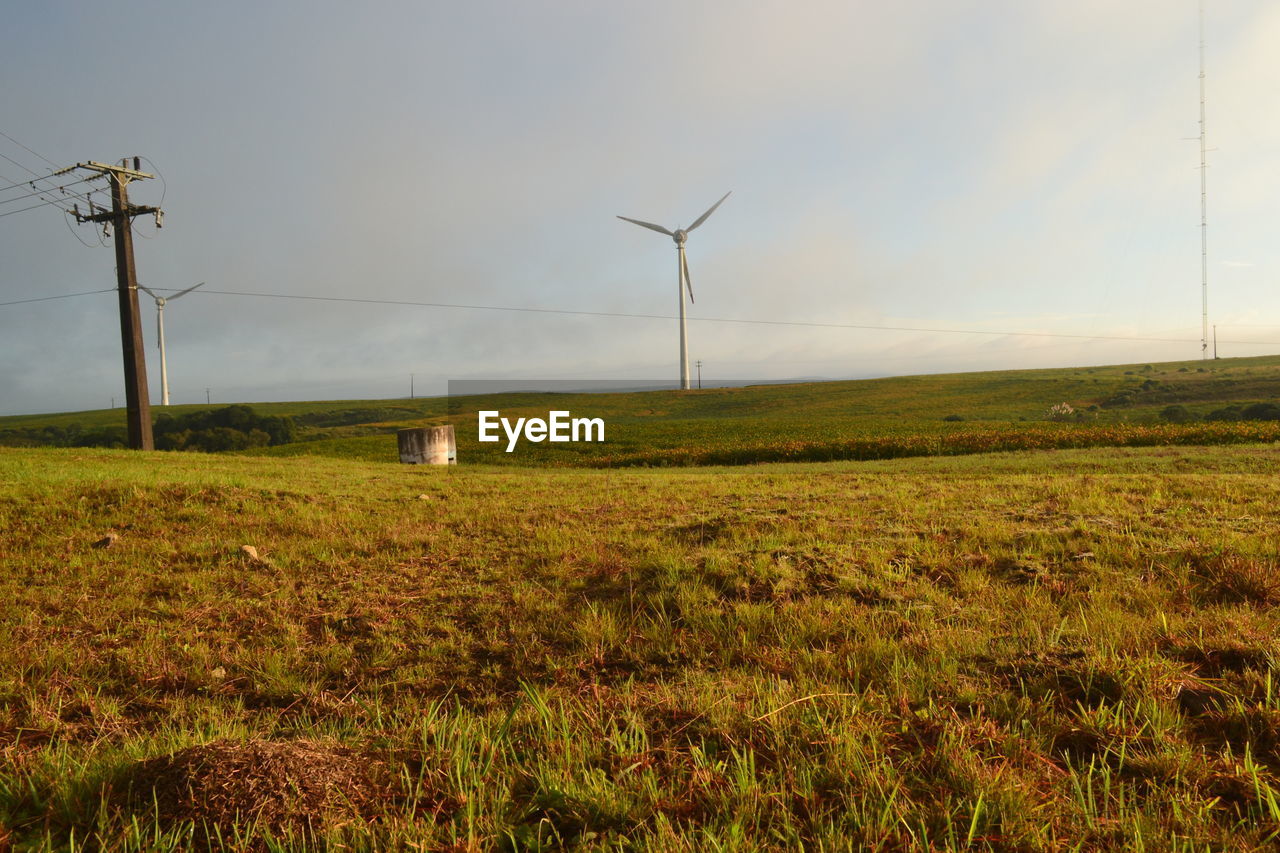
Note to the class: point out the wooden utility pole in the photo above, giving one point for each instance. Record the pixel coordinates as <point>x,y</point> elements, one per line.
<point>136,392</point>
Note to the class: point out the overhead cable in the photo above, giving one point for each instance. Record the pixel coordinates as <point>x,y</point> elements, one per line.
<point>804,323</point>
<point>740,320</point>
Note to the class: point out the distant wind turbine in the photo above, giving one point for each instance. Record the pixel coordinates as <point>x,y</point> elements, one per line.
<point>160,303</point>
<point>679,235</point>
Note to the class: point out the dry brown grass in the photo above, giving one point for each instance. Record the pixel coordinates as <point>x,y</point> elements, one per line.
<point>294,788</point>
<point>1235,579</point>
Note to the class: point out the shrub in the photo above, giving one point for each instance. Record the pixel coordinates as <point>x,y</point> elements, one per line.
<point>953,418</point>
<point>1177,415</point>
<point>1261,412</point>
<point>230,428</point>
<point>1120,398</point>
<point>1061,412</point>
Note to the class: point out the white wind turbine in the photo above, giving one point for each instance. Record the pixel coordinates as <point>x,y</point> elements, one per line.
<point>679,235</point>
<point>160,303</point>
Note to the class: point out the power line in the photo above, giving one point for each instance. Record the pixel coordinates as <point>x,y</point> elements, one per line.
<point>12,183</point>
<point>66,219</point>
<point>802,323</point>
<point>53,201</point>
<point>28,183</point>
<point>65,213</point>
<point>57,202</point>
<point>86,197</point>
<point>40,192</point>
<point>20,145</point>
<point>24,168</point>
<point>35,206</point>
<point>37,177</point>
<point>63,296</point>
<point>164,185</point>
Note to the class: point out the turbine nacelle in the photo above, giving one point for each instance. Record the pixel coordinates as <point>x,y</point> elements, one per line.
<point>679,235</point>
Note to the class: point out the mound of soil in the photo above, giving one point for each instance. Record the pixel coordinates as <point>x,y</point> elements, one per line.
<point>297,788</point>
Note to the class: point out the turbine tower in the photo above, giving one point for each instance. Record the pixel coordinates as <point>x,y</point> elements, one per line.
<point>160,303</point>
<point>679,236</point>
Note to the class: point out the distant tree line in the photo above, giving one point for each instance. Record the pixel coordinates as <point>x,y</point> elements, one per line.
<point>230,428</point>
<point>1252,412</point>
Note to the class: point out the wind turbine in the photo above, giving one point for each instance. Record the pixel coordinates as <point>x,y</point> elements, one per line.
<point>680,235</point>
<point>160,303</point>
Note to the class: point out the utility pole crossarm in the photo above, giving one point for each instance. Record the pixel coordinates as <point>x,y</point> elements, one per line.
<point>103,168</point>
<point>109,216</point>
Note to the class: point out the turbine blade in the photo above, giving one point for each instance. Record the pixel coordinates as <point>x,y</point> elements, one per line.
<point>703,218</point>
<point>149,291</point>
<point>159,321</point>
<point>185,292</point>
<point>648,225</point>
<point>688,282</point>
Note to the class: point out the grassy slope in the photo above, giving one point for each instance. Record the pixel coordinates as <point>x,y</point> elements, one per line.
<point>898,416</point>
<point>1068,650</point>
<point>868,418</point>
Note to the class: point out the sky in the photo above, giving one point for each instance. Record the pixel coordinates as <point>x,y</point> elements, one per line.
<point>988,166</point>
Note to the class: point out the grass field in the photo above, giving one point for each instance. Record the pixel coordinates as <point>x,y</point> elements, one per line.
<point>952,414</point>
<point>1060,650</point>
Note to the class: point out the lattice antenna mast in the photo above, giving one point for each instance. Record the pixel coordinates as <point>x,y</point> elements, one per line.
<point>1204,211</point>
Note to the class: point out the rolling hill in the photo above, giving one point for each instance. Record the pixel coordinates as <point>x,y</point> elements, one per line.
<point>1195,402</point>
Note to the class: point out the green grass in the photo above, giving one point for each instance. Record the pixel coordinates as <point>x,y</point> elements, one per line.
<point>866,419</point>
<point>1067,650</point>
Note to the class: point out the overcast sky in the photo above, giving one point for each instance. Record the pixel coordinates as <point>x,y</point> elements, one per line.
<point>1003,165</point>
